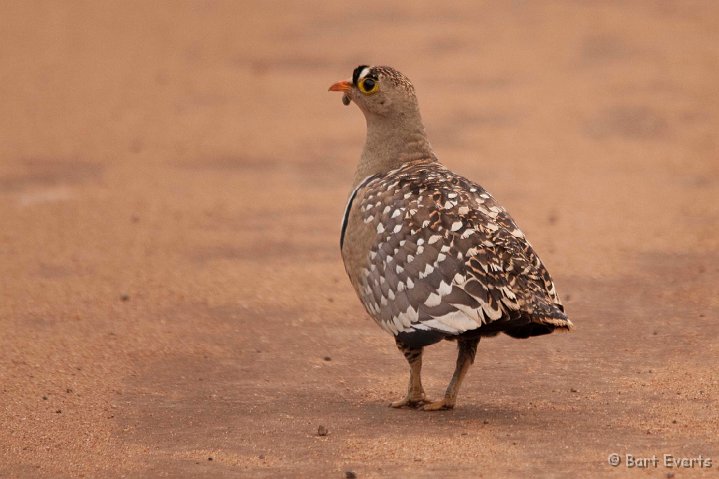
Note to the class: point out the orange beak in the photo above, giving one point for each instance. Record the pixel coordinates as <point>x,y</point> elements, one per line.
<point>343,85</point>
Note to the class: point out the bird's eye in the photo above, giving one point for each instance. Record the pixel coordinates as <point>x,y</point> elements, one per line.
<point>368,85</point>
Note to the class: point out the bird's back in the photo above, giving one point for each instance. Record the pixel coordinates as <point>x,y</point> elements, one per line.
<point>433,255</point>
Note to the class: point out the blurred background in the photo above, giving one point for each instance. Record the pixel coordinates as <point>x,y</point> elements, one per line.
<point>172,179</point>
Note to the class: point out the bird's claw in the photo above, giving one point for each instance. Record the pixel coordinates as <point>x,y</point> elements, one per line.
<point>413,402</point>
<point>441,405</point>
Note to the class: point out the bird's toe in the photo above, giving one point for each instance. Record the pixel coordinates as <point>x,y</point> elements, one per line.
<point>441,405</point>
<point>410,402</point>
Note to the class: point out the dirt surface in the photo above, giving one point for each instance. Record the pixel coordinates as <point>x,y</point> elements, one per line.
<point>172,177</point>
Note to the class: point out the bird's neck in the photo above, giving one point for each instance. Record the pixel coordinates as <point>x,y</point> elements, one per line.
<point>391,142</point>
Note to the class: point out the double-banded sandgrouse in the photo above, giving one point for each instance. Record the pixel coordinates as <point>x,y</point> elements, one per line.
<point>431,254</point>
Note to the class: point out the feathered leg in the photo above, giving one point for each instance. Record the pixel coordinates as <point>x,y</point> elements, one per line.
<point>465,358</point>
<point>415,392</point>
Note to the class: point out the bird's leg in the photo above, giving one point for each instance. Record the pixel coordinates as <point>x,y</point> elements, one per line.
<point>465,358</point>
<point>415,392</point>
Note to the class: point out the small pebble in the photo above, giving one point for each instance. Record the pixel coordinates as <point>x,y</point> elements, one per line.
<point>261,456</point>
<point>350,475</point>
<point>327,358</point>
<point>574,390</point>
<point>59,411</point>
<point>125,297</point>
<point>209,458</point>
<point>322,431</point>
<point>486,421</point>
<point>44,398</point>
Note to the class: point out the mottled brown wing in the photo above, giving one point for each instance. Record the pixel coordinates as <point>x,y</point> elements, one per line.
<point>445,256</point>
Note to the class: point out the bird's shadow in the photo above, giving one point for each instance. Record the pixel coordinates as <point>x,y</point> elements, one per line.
<point>380,414</point>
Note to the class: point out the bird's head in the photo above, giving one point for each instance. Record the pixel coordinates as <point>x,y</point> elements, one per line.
<point>395,133</point>
<point>378,91</point>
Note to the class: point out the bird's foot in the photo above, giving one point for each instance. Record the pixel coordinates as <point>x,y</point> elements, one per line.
<point>441,405</point>
<point>410,401</point>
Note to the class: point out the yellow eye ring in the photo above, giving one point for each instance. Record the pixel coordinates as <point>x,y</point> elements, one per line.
<point>368,86</point>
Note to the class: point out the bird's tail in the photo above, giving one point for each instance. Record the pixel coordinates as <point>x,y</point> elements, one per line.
<point>552,314</point>
<point>544,319</point>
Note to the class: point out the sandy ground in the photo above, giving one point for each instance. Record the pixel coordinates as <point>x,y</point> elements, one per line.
<point>172,177</point>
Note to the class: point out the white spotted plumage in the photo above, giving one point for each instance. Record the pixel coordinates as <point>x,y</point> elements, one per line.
<point>469,257</point>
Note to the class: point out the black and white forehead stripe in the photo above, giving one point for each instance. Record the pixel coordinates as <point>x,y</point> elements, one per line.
<point>361,72</point>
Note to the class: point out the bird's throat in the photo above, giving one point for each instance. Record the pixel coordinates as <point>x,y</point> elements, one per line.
<point>390,143</point>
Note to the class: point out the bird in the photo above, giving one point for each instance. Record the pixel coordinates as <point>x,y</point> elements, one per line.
<point>431,254</point>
